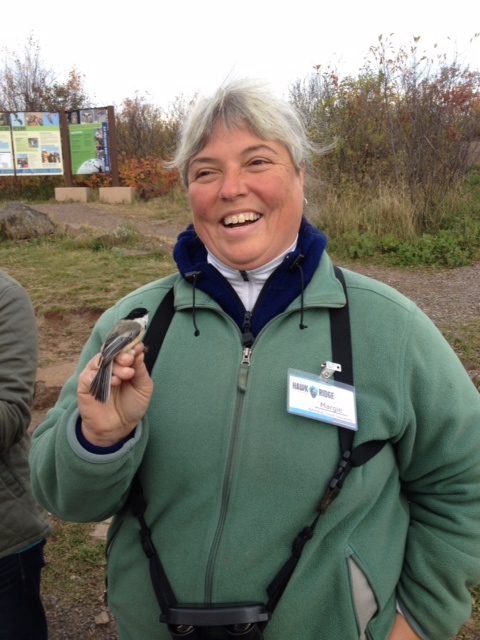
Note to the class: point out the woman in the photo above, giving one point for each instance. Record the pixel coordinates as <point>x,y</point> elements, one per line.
<point>231,455</point>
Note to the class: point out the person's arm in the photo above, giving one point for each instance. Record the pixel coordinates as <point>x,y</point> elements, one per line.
<point>439,463</point>
<point>18,363</point>
<point>68,479</point>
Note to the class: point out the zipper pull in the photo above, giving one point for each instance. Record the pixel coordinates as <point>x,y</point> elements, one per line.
<point>244,369</point>
<point>247,352</point>
<point>247,335</point>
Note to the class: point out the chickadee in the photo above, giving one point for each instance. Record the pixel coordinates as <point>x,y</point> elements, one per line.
<point>123,337</point>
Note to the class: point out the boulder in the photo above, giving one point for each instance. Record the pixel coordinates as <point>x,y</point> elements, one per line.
<point>18,221</point>
<point>115,236</point>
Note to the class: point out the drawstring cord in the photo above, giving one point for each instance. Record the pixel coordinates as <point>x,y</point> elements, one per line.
<point>298,264</point>
<point>192,276</point>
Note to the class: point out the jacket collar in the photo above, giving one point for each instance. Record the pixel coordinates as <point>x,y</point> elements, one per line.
<point>323,290</point>
<point>282,289</point>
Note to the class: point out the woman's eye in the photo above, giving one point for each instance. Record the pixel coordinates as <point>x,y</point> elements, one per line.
<point>204,173</point>
<point>259,162</point>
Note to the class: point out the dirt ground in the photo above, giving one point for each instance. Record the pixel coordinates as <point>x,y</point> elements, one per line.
<point>451,298</point>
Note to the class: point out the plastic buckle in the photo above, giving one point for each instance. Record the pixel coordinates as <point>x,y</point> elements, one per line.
<point>342,472</point>
<point>147,544</point>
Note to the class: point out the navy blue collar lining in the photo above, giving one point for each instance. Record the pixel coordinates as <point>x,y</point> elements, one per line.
<point>283,286</point>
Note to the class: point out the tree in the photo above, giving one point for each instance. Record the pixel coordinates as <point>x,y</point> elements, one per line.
<point>27,84</point>
<point>145,130</point>
<point>68,96</point>
<point>405,121</point>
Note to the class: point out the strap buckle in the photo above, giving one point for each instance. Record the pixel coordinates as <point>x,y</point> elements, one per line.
<point>337,481</point>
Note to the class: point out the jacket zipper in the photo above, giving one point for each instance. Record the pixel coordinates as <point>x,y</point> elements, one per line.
<point>247,341</point>
<point>227,483</point>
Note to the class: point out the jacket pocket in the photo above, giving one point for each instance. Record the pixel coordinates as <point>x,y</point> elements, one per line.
<point>364,600</point>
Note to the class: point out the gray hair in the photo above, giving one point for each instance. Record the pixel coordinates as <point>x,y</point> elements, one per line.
<point>240,103</point>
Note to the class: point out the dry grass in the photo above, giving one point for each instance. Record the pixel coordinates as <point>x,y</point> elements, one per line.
<point>71,285</point>
<point>387,211</point>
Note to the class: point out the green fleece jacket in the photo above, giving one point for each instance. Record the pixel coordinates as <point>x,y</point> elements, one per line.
<point>230,476</point>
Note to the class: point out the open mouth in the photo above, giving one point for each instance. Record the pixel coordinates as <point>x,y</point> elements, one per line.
<point>240,219</point>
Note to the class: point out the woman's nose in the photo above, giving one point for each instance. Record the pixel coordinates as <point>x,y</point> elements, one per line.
<point>233,186</point>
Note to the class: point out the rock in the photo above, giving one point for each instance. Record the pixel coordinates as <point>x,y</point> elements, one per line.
<point>102,618</point>
<point>100,530</point>
<point>18,221</point>
<point>115,236</point>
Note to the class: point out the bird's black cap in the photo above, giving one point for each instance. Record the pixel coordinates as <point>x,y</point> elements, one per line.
<point>136,313</point>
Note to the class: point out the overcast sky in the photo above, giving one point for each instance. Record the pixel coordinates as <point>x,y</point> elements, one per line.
<point>175,48</point>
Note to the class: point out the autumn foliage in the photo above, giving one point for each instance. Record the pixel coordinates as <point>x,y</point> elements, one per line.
<point>148,176</point>
<point>404,123</point>
<point>27,84</point>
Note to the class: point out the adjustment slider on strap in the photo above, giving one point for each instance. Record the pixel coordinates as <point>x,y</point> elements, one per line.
<point>337,481</point>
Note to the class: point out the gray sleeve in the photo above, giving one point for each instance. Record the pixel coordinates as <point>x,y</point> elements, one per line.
<point>18,361</point>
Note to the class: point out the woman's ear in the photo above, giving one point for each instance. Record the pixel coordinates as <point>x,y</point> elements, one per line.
<point>301,173</point>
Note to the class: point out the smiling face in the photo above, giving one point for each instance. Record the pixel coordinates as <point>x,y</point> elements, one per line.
<point>246,197</point>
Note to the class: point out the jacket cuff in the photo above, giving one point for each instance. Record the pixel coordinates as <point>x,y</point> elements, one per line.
<point>98,455</point>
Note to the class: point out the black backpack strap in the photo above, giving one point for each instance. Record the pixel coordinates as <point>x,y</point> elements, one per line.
<point>161,585</point>
<point>157,329</point>
<point>341,354</point>
<point>341,334</point>
<point>153,340</point>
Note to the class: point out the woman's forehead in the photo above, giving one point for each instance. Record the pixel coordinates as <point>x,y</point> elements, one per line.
<point>237,138</point>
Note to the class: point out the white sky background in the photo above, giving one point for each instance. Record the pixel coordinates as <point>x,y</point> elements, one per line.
<point>167,49</point>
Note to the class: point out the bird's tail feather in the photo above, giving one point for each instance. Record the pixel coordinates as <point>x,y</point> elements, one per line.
<point>100,386</point>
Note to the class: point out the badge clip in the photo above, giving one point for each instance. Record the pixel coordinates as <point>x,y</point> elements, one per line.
<point>329,368</point>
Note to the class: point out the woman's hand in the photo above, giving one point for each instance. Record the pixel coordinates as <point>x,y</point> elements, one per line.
<point>108,424</point>
<point>402,630</point>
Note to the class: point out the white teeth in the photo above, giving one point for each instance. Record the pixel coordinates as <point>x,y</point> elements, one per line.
<point>240,218</point>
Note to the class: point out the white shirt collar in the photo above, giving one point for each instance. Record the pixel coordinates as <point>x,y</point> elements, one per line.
<point>248,284</point>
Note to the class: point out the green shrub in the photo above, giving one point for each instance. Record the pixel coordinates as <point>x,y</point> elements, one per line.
<point>29,188</point>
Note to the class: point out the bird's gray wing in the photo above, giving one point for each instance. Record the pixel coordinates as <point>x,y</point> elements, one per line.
<point>115,344</point>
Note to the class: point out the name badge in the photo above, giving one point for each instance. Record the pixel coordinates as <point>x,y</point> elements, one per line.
<point>332,402</point>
